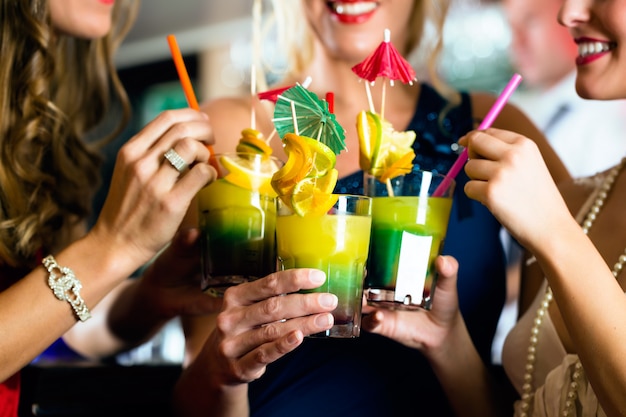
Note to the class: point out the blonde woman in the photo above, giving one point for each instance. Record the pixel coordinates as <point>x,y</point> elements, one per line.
<point>367,376</point>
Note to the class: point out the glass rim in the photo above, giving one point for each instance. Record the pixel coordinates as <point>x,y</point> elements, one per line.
<point>413,171</point>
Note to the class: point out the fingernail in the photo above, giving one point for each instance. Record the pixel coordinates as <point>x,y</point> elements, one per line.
<point>324,320</point>
<point>328,300</point>
<point>317,277</point>
<point>293,338</point>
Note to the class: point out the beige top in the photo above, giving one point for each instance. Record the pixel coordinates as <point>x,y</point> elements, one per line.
<point>553,365</point>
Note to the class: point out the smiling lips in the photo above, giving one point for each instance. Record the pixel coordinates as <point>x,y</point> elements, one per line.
<point>591,49</point>
<point>352,11</point>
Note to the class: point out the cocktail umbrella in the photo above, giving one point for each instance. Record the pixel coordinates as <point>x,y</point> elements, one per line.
<point>272,95</point>
<point>301,112</point>
<point>385,62</point>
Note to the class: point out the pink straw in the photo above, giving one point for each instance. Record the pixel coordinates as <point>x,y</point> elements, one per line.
<point>485,124</point>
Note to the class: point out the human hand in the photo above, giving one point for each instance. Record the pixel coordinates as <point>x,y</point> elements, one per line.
<point>172,282</point>
<point>148,197</point>
<point>424,330</point>
<point>263,320</point>
<point>509,176</point>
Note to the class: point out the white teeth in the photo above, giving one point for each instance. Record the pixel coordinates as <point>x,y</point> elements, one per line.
<point>353,8</point>
<point>590,48</point>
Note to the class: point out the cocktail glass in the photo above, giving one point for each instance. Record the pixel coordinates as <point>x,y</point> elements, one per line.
<point>337,243</point>
<point>238,222</point>
<point>408,231</point>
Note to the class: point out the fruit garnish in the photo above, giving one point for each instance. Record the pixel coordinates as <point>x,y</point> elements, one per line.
<point>314,195</point>
<point>383,151</point>
<point>297,167</point>
<point>252,141</point>
<point>402,166</point>
<point>250,173</point>
<point>307,180</point>
<point>369,131</point>
<point>324,158</point>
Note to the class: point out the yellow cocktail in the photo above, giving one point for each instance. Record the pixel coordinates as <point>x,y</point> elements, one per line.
<point>337,243</point>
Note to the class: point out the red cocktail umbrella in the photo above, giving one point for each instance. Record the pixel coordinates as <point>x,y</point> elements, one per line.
<point>272,95</point>
<point>385,62</point>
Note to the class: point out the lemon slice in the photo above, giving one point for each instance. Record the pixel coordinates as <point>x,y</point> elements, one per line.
<point>313,195</point>
<point>252,174</point>
<point>369,131</point>
<point>324,158</point>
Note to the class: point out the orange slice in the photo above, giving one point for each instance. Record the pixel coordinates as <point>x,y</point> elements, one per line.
<point>402,166</point>
<point>298,165</point>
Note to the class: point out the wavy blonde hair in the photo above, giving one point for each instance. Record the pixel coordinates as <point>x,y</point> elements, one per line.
<point>426,16</point>
<point>55,89</point>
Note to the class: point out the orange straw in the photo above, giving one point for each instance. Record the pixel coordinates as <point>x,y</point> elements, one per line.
<point>187,87</point>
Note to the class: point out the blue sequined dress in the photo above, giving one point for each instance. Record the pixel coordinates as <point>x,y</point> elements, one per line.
<point>372,375</point>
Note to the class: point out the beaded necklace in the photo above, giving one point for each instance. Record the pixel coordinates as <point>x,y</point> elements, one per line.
<point>572,395</point>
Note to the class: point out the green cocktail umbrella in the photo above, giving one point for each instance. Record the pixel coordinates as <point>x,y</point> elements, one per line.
<point>301,112</point>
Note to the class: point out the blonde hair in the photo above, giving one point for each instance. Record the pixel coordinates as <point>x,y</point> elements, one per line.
<point>56,89</point>
<point>425,36</point>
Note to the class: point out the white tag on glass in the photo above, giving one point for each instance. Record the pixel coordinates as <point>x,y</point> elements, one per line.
<point>412,268</point>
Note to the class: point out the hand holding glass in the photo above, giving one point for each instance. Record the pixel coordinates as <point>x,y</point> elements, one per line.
<point>408,232</point>
<point>336,243</point>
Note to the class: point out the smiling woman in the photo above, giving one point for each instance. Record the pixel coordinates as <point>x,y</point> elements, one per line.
<point>248,360</point>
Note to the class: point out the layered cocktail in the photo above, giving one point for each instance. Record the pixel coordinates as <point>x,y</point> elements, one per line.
<point>238,221</point>
<point>408,232</point>
<point>318,229</point>
<point>337,243</point>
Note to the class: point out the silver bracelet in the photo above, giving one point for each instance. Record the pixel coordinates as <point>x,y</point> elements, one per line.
<point>66,286</point>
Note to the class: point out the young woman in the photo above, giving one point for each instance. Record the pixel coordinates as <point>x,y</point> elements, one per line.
<point>565,355</point>
<point>57,76</point>
<point>366,376</point>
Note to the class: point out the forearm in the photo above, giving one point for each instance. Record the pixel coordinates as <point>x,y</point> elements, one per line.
<point>593,306</point>
<point>33,318</point>
<point>122,320</point>
<point>196,394</point>
<point>467,382</point>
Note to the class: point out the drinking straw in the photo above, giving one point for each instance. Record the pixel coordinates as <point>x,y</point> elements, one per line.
<point>182,73</point>
<point>330,99</point>
<point>188,88</point>
<point>485,124</point>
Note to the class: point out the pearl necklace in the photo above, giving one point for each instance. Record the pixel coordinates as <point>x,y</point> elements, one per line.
<point>572,393</point>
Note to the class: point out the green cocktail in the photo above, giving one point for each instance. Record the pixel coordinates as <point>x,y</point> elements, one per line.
<point>336,243</point>
<point>238,222</point>
<point>408,233</point>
